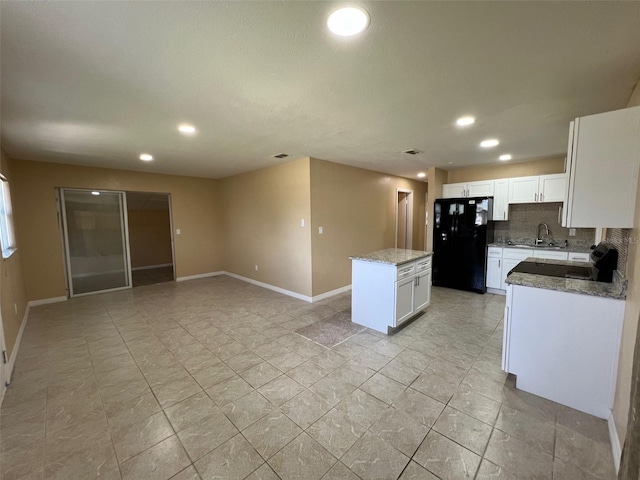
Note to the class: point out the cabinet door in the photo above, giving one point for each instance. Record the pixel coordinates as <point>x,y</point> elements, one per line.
<point>579,257</point>
<point>454,190</point>
<point>605,160</point>
<point>507,266</point>
<point>494,273</point>
<point>404,300</point>
<point>501,199</point>
<point>553,188</point>
<point>480,189</point>
<point>523,189</point>
<point>422,295</point>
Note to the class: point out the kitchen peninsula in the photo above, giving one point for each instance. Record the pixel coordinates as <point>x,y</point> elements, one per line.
<point>562,336</point>
<point>389,287</point>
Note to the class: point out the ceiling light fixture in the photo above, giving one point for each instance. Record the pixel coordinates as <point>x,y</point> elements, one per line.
<point>422,175</point>
<point>95,193</point>
<point>412,151</point>
<point>505,157</point>
<point>348,21</point>
<point>492,142</point>
<point>465,121</point>
<point>280,155</point>
<point>145,157</point>
<point>187,129</point>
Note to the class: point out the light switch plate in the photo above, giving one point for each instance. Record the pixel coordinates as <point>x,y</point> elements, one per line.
<point>572,232</point>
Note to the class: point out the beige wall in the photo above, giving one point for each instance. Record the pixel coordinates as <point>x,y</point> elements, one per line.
<point>262,211</point>
<point>195,205</point>
<point>632,311</point>
<point>507,170</point>
<point>12,289</point>
<point>436,178</point>
<point>357,210</point>
<point>149,237</point>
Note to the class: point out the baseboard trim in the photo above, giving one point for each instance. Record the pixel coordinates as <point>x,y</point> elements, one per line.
<point>331,293</point>
<point>16,345</point>
<point>149,267</point>
<point>290,293</point>
<point>615,442</point>
<point>46,301</point>
<point>496,291</point>
<point>199,275</point>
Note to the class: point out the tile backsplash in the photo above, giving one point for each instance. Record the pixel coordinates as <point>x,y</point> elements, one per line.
<point>524,218</point>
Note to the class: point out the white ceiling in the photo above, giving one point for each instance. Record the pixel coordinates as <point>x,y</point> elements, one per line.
<point>98,83</point>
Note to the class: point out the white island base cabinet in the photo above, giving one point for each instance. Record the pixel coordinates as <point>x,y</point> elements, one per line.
<point>563,346</point>
<point>385,295</point>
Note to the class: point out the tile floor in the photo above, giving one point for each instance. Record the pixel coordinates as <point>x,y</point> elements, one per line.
<point>206,379</point>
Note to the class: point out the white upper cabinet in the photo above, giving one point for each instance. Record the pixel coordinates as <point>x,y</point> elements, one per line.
<point>454,190</point>
<point>537,189</point>
<point>552,188</point>
<point>468,189</point>
<point>501,199</point>
<point>523,189</point>
<point>603,160</point>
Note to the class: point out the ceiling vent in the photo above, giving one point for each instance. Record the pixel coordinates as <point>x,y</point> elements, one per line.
<point>413,151</point>
<point>280,155</point>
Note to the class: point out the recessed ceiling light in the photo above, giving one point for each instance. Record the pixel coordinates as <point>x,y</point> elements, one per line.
<point>145,157</point>
<point>492,142</point>
<point>95,193</point>
<point>412,151</point>
<point>280,155</point>
<point>422,175</point>
<point>348,21</point>
<point>186,129</point>
<point>505,157</point>
<point>450,163</point>
<point>465,121</point>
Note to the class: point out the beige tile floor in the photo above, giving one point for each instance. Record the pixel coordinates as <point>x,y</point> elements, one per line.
<point>206,379</point>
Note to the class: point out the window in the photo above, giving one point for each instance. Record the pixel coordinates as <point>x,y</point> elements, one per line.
<point>7,235</point>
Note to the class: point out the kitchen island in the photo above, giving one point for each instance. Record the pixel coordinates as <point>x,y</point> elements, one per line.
<point>562,337</point>
<point>389,287</point>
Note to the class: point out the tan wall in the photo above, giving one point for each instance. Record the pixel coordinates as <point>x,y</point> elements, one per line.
<point>631,313</point>
<point>149,237</point>
<point>195,204</point>
<point>262,213</point>
<point>436,178</point>
<point>12,290</point>
<point>357,210</point>
<point>507,170</point>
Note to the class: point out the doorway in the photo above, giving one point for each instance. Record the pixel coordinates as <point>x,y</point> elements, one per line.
<point>150,238</point>
<point>95,240</point>
<point>404,219</point>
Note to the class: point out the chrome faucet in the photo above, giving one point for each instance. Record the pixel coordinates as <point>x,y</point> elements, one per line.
<point>540,238</point>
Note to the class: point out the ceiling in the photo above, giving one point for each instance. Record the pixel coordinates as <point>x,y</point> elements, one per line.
<point>99,83</point>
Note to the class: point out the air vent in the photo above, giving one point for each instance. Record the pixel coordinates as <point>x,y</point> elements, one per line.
<point>413,151</point>
<point>280,155</point>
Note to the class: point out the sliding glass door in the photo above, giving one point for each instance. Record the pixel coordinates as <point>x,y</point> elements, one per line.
<point>96,244</point>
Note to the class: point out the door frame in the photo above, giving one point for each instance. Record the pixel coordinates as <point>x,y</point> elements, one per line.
<point>124,224</point>
<point>409,231</point>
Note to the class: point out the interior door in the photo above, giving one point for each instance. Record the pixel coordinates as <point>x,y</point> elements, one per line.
<point>96,241</point>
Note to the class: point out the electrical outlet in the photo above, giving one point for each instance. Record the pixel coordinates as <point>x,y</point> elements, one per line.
<point>178,231</point>
<point>256,267</point>
<point>321,230</point>
<point>302,222</point>
<point>15,308</point>
<point>572,232</point>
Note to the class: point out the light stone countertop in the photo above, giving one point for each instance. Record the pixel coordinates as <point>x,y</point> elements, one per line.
<point>578,249</point>
<point>392,256</point>
<point>616,289</point>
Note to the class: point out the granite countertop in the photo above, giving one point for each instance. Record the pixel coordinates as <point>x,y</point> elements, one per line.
<point>616,289</point>
<point>392,256</point>
<point>579,249</point>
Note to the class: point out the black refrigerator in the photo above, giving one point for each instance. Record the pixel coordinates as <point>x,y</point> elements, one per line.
<point>462,229</point>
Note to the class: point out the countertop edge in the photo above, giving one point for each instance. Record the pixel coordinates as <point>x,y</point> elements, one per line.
<point>386,256</point>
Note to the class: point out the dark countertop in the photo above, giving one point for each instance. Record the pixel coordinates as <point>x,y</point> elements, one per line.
<point>392,256</point>
<point>616,290</point>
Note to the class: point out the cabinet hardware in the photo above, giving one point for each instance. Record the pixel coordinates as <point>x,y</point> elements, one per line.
<point>536,196</point>
<point>541,197</point>
<point>559,214</point>
<point>498,263</point>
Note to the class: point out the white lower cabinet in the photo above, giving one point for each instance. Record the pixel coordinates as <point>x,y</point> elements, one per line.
<point>563,346</point>
<point>494,273</point>
<point>385,295</point>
